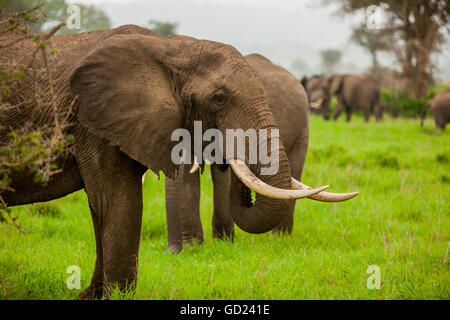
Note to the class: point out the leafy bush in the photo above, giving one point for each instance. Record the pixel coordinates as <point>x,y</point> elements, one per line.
<point>402,103</point>
<point>29,148</point>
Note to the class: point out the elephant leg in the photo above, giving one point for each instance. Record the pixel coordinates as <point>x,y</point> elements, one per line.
<point>378,112</point>
<point>441,123</point>
<point>339,108</point>
<point>296,157</point>
<point>222,222</point>
<point>366,114</point>
<point>95,289</point>
<point>114,189</point>
<point>348,112</point>
<point>190,209</point>
<point>174,190</point>
<point>183,209</point>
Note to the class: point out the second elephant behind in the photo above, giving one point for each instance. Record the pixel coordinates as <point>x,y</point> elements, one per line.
<point>352,92</point>
<point>289,105</point>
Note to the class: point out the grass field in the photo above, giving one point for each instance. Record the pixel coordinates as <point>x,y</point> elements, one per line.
<point>399,222</point>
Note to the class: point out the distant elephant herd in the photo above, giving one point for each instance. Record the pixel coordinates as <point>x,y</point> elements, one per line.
<point>130,89</point>
<point>361,92</point>
<point>352,92</point>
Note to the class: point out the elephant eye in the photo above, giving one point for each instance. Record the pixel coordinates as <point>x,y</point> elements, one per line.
<point>220,98</point>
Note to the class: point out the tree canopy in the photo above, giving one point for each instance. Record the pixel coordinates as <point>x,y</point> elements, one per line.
<point>163,28</point>
<point>417,29</point>
<point>91,17</point>
<point>330,58</point>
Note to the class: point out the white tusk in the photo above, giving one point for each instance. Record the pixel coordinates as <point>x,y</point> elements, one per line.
<point>195,166</point>
<point>317,104</point>
<point>324,196</point>
<point>254,183</point>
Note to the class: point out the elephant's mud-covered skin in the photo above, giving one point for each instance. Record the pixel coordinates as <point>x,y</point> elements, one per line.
<point>132,89</point>
<point>440,106</point>
<point>289,105</point>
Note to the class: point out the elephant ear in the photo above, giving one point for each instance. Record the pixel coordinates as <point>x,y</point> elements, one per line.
<point>334,84</point>
<point>125,94</point>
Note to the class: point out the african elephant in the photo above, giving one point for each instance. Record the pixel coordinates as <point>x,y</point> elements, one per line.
<point>317,90</point>
<point>130,90</point>
<point>440,106</point>
<point>289,105</point>
<point>352,92</point>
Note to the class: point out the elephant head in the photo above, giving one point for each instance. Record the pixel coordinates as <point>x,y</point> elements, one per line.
<point>317,89</point>
<point>135,90</point>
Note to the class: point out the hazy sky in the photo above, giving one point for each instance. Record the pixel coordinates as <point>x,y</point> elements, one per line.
<point>281,30</point>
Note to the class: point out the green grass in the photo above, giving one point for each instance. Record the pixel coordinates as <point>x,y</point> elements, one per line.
<point>398,222</point>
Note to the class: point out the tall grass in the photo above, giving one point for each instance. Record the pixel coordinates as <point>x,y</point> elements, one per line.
<point>399,222</point>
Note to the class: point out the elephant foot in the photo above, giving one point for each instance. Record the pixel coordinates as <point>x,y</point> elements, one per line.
<point>91,293</point>
<point>174,248</point>
<point>190,239</point>
<point>224,232</point>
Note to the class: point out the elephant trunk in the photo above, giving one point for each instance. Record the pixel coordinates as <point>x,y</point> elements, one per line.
<point>273,191</point>
<point>265,213</point>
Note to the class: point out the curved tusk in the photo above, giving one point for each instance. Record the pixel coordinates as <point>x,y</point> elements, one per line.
<point>254,183</point>
<point>324,196</point>
<point>195,166</point>
<point>317,104</point>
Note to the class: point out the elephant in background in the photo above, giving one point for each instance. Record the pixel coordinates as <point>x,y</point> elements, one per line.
<point>130,89</point>
<point>440,106</point>
<point>289,105</point>
<point>352,92</point>
<point>317,90</point>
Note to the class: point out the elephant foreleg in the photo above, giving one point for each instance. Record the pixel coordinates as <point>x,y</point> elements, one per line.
<point>113,186</point>
<point>339,108</point>
<point>95,289</point>
<point>173,193</point>
<point>183,209</point>
<point>190,219</point>
<point>349,112</point>
<point>222,222</point>
<point>378,110</point>
<point>366,114</point>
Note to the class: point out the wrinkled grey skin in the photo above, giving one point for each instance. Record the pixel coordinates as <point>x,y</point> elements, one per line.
<point>130,89</point>
<point>440,106</point>
<point>289,105</point>
<point>352,92</point>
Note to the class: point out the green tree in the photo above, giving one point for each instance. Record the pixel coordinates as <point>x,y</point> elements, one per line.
<point>163,28</point>
<point>419,28</point>
<point>373,41</point>
<point>92,17</point>
<point>299,67</point>
<point>330,58</point>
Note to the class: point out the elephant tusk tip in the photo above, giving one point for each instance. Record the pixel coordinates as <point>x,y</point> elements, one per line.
<point>322,188</point>
<point>194,168</point>
<point>353,194</point>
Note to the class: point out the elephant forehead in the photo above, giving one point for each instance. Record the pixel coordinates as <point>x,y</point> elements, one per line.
<point>315,84</point>
<point>218,55</point>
